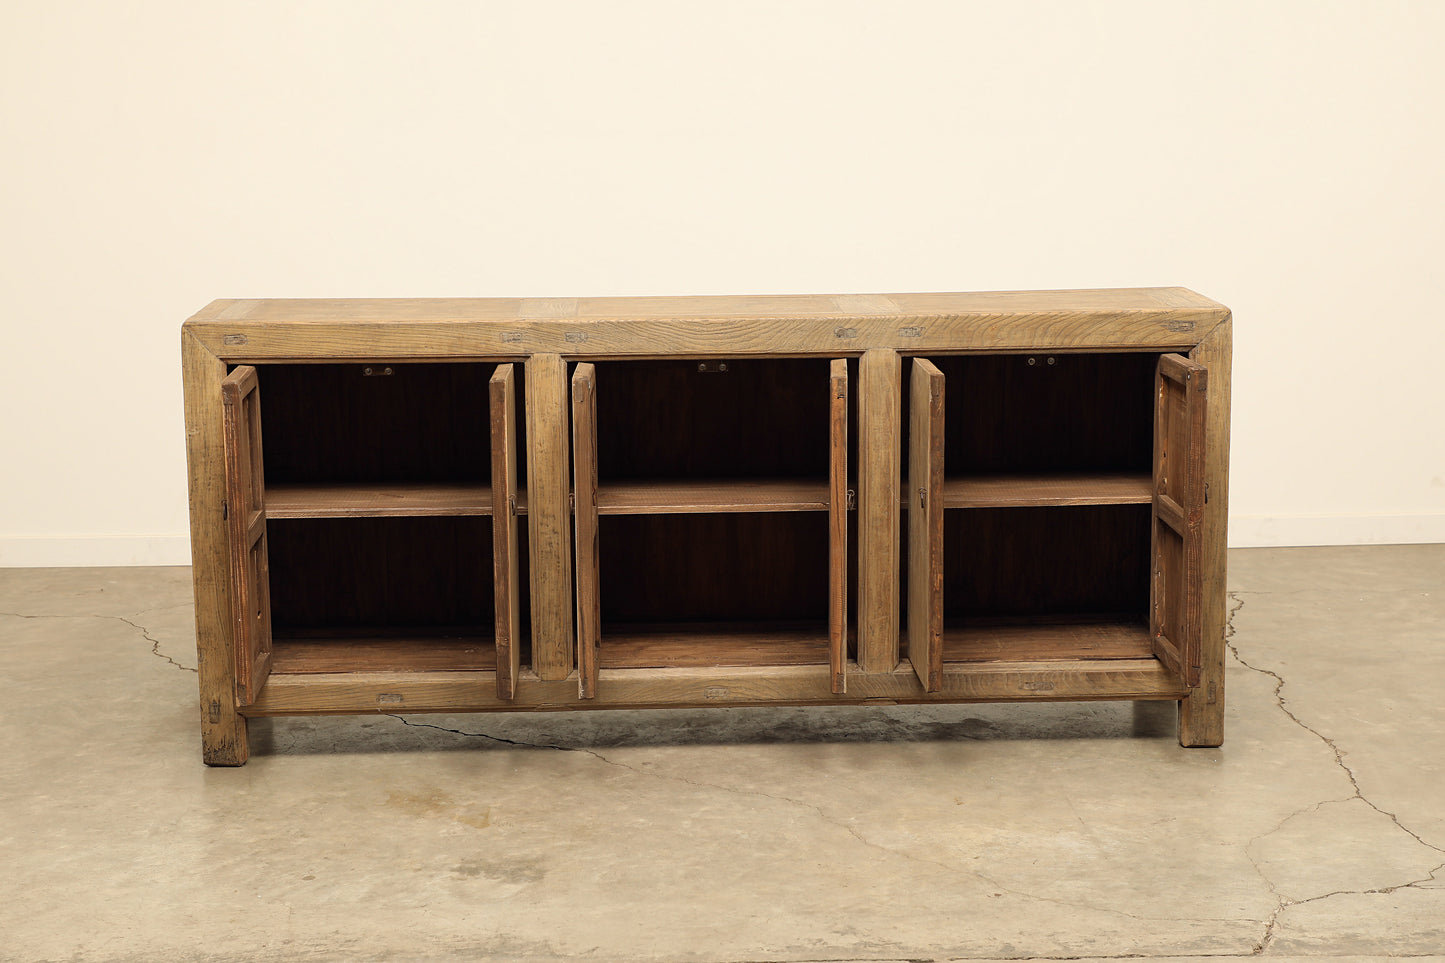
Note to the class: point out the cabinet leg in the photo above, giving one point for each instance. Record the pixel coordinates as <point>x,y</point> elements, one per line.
<point>1201,722</point>
<point>223,743</point>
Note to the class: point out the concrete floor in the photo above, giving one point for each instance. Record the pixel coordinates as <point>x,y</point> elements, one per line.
<point>1071,830</point>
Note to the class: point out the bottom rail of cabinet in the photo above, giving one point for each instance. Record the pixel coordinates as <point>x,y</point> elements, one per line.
<point>475,691</point>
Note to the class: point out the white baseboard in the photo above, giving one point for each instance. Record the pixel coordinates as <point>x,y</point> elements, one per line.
<point>1264,531</point>
<point>1245,531</point>
<point>64,551</point>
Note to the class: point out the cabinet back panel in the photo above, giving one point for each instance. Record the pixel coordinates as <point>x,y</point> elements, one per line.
<point>1046,561</point>
<point>381,572</point>
<point>666,419</point>
<point>769,566</point>
<point>423,422</point>
<point>1085,412</point>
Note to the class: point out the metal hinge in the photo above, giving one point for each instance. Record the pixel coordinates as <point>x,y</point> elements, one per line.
<point>712,367</point>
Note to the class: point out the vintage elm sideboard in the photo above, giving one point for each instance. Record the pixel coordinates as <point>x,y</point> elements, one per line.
<point>522,504</point>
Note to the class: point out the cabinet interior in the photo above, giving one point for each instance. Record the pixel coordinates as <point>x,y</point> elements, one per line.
<point>379,505</point>
<point>1046,496</point>
<point>1047,414</point>
<point>713,497</point>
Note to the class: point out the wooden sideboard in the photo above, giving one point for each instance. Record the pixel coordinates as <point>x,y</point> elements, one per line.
<point>470,505</point>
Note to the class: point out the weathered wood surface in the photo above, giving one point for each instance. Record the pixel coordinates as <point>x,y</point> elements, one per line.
<point>880,376</point>
<point>1069,488</point>
<point>223,729</point>
<point>549,516</point>
<point>380,500</point>
<point>502,328</point>
<point>1176,595</point>
<point>584,491</point>
<point>838,523</point>
<point>710,496</point>
<point>1201,711</point>
<point>506,554</point>
<point>1027,640</point>
<point>245,508</point>
<point>363,692</point>
<point>926,500</point>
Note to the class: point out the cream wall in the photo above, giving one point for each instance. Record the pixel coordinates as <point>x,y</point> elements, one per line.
<point>1285,158</point>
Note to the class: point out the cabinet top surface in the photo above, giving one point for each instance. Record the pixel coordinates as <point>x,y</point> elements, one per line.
<point>989,304</point>
<point>821,325</point>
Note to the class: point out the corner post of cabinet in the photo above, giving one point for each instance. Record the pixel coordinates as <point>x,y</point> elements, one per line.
<point>549,515</point>
<point>880,378</point>
<point>223,728</point>
<point>1201,713</point>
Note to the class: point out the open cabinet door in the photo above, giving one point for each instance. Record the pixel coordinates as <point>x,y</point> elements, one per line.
<point>925,524</point>
<point>246,522</point>
<point>584,488</point>
<point>1177,590</point>
<point>838,525</point>
<point>506,574</point>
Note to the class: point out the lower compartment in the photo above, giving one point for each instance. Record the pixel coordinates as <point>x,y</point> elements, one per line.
<point>700,590</point>
<point>386,649</point>
<point>702,644</point>
<point>1058,638</point>
<point>385,594</point>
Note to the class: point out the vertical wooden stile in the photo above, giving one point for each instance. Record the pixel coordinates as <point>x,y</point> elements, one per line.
<point>246,517</point>
<point>584,486</point>
<point>1177,544</point>
<point>925,524</point>
<point>838,525</point>
<point>880,373</point>
<point>223,730</point>
<point>1201,713</point>
<point>506,567</point>
<point>549,518</point>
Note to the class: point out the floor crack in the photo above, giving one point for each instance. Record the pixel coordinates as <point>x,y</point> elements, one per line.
<point>1284,901</point>
<point>155,643</point>
<point>830,820</point>
<point>145,633</point>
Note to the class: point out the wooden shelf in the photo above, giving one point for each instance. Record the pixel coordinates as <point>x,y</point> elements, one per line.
<point>1025,491</point>
<point>705,644</point>
<point>712,496</point>
<point>362,500</point>
<point>306,652</point>
<point>1032,640</point>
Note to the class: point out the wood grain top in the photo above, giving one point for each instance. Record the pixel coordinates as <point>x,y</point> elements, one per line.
<point>1108,301</point>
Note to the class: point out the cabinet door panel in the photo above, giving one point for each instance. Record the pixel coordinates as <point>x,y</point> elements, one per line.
<point>584,487</point>
<point>925,524</point>
<point>1177,590</point>
<point>246,521</point>
<point>838,525</point>
<point>506,567</point>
